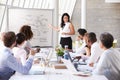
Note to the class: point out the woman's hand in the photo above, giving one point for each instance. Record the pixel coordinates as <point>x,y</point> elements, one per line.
<point>54,28</point>
<point>50,26</point>
<point>32,52</point>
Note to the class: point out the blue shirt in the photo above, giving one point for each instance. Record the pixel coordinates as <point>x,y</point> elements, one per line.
<point>9,64</point>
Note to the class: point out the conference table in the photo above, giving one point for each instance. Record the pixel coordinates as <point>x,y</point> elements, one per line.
<point>49,72</point>
<point>37,73</point>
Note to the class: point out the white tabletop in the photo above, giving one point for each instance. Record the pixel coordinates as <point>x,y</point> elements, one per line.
<point>54,74</point>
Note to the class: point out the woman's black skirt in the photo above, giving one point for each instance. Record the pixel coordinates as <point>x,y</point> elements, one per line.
<point>66,41</point>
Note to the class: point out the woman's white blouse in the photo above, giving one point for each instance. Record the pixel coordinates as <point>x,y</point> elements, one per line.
<point>66,29</point>
<point>20,54</point>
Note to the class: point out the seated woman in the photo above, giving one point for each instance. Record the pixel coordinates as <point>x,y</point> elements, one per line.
<point>19,51</point>
<point>26,29</point>
<point>109,63</point>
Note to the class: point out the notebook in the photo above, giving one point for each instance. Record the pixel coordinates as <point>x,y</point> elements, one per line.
<point>74,70</point>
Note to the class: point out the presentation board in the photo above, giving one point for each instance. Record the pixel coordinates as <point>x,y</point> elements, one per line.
<point>38,19</point>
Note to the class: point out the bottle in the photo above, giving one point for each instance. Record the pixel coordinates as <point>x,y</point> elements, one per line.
<point>42,62</point>
<point>66,52</point>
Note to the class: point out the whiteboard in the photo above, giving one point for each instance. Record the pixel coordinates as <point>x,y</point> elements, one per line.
<point>38,19</point>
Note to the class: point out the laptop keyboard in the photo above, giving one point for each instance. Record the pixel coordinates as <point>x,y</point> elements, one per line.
<point>83,67</point>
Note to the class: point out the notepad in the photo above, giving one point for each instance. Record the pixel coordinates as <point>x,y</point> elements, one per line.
<point>60,66</point>
<point>37,73</point>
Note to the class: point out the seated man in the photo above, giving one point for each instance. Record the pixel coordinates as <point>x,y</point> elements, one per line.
<point>81,37</point>
<point>96,51</point>
<point>8,63</point>
<point>109,63</point>
<point>82,50</point>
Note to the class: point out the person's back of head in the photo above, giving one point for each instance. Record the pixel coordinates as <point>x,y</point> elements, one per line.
<point>20,38</point>
<point>91,37</point>
<point>26,29</point>
<point>9,38</point>
<point>82,32</point>
<point>106,39</point>
<point>111,57</point>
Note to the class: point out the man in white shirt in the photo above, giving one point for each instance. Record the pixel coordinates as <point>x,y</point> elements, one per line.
<point>96,51</point>
<point>109,63</point>
<point>82,37</point>
<point>82,49</point>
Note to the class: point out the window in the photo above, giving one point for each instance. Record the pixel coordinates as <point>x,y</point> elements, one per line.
<point>3,1</point>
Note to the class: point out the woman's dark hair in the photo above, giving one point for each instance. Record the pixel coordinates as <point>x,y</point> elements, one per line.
<point>9,38</point>
<point>27,31</point>
<point>62,21</point>
<point>106,39</point>
<point>82,31</point>
<point>92,37</point>
<point>20,38</point>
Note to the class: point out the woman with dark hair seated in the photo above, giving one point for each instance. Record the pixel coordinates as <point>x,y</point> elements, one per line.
<point>26,29</point>
<point>19,52</point>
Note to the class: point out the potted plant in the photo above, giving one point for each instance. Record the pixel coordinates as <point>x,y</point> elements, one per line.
<point>59,53</point>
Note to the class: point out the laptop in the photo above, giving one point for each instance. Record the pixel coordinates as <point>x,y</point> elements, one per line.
<point>73,60</point>
<point>69,57</point>
<point>73,69</point>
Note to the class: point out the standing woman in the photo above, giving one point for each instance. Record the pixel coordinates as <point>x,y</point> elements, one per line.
<point>66,29</point>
